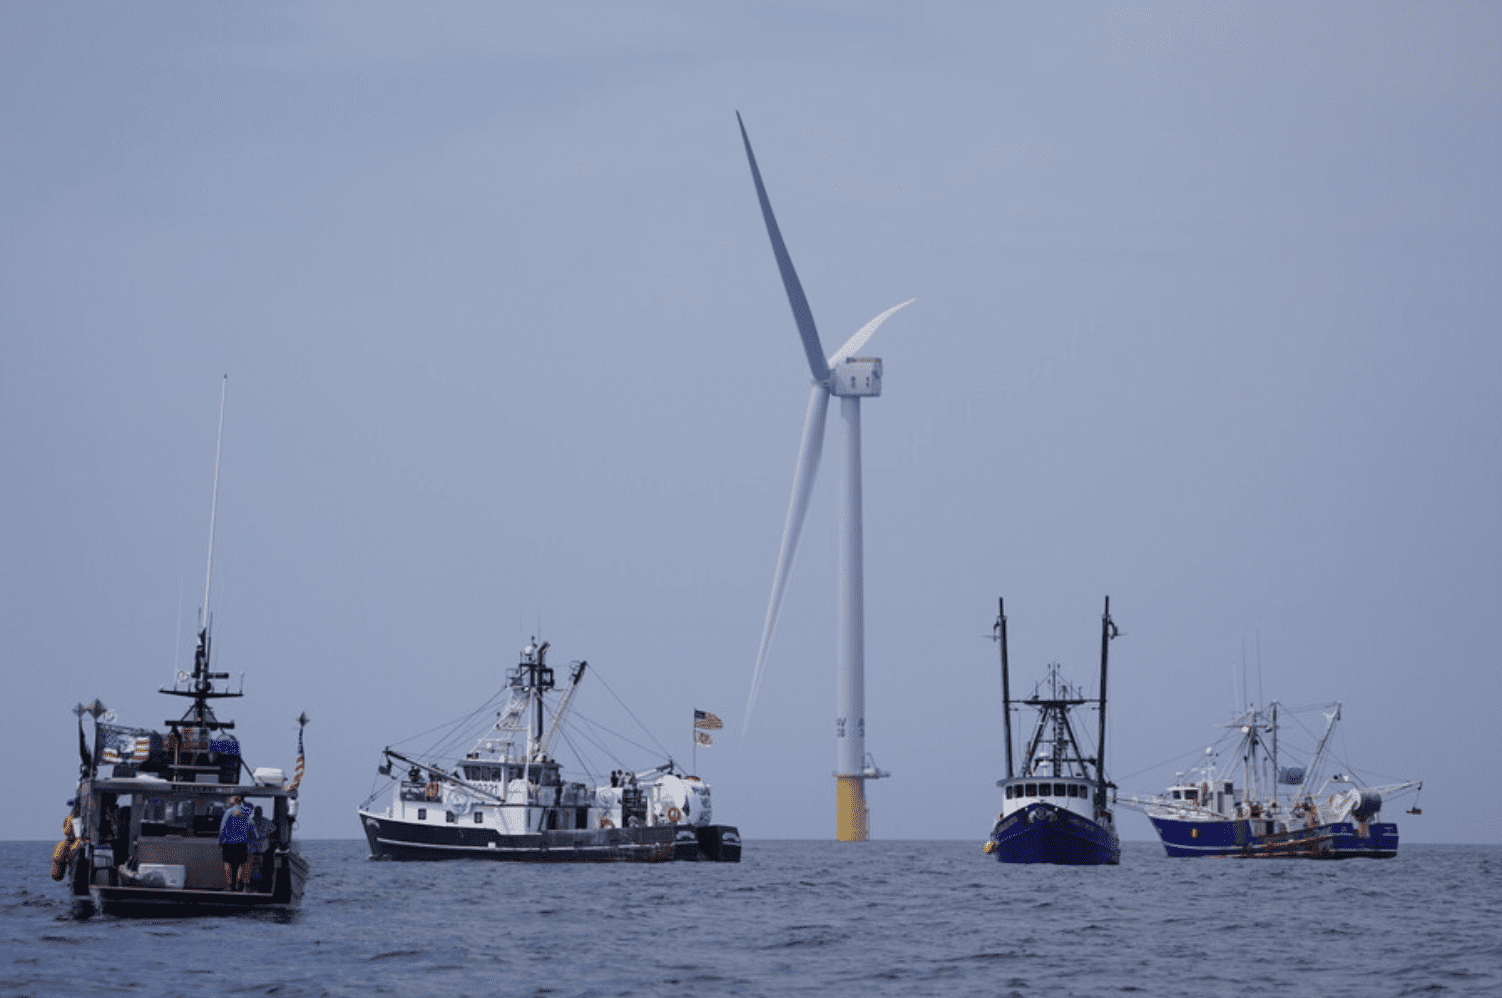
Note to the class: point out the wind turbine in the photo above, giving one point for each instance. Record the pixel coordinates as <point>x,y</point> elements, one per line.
<point>849,378</point>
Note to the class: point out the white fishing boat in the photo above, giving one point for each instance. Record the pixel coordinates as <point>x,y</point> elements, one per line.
<point>507,798</point>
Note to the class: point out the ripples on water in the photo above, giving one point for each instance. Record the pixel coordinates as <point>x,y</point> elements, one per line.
<point>797,918</point>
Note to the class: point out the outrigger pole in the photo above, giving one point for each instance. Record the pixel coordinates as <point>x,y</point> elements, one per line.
<point>999,634</point>
<point>1107,632</point>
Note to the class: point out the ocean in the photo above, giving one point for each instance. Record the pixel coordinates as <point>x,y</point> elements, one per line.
<point>796,918</point>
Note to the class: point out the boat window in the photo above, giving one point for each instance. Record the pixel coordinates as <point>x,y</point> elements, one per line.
<point>422,814</point>
<point>1031,790</point>
<point>1177,795</point>
<point>1074,790</point>
<point>451,816</point>
<point>1058,790</point>
<point>479,817</point>
<point>1007,793</point>
<point>1191,795</point>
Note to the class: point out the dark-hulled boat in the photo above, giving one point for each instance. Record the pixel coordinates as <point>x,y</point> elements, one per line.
<point>150,805</point>
<point>142,836</point>
<point>1055,806</point>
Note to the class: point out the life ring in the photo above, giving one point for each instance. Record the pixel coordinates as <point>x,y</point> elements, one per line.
<point>674,815</point>
<point>431,791</point>
<point>606,823</point>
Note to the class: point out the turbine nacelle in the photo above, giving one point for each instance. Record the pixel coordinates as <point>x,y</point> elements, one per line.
<point>858,377</point>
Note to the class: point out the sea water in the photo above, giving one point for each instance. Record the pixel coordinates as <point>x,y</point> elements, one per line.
<point>796,918</point>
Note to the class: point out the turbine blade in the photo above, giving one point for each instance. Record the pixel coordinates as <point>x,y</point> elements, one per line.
<point>803,485</point>
<point>859,339</point>
<point>802,314</point>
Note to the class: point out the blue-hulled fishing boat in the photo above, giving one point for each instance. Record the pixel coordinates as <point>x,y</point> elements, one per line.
<point>1260,806</point>
<point>1055,807</point>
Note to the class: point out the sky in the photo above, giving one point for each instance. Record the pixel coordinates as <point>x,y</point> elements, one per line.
<point>1206,320</point>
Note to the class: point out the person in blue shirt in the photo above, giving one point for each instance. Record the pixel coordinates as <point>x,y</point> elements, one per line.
<point>234,836</point>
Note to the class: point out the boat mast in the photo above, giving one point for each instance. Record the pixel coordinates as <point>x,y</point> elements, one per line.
<point>999,634</point>
<point>534,677</point>
<point>1276,774</point>
<point>1107,632</point>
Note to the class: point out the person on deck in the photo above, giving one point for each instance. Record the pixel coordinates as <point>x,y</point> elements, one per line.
<point>260,841</point>
<point>234,836</point>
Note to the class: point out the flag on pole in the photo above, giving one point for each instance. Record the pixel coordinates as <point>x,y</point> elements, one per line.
<point>297,769</point>
<point>702,738</point>
<point>704,719</point>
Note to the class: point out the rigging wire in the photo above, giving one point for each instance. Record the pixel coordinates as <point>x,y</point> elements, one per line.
<point>1165,762</point>
<point>618,700</point>
<point>616,734</point>
<point>453,726</point>
<point>585,764</point>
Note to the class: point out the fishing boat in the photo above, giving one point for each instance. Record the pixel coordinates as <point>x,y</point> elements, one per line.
<point>1260,805</point>
<point>142,836</point>
<point>1055,807</point>
<point>507,798</point>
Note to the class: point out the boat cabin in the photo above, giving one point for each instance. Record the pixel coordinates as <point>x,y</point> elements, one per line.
<point>145,828</point>
<point>1070,793</point>
<point>1210,798</point>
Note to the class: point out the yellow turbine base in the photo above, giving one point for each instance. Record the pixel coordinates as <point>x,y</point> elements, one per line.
<point>850,809</point>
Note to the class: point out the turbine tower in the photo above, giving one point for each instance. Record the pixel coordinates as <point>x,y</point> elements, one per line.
<point>850,378</point>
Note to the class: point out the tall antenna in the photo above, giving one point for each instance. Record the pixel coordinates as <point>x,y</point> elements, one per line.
<point>214,501</point>
<point>1259,669</point>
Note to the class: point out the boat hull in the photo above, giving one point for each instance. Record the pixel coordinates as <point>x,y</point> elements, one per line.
<point>126,900</point>
<point>1250,838</point>
<point>1043,833</point>
<point>390,838</point>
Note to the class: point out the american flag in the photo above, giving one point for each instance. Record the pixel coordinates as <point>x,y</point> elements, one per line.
<point>297,769</point>
<point>702,738</point>
<point>704,719</point>
<point>119,745</point>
